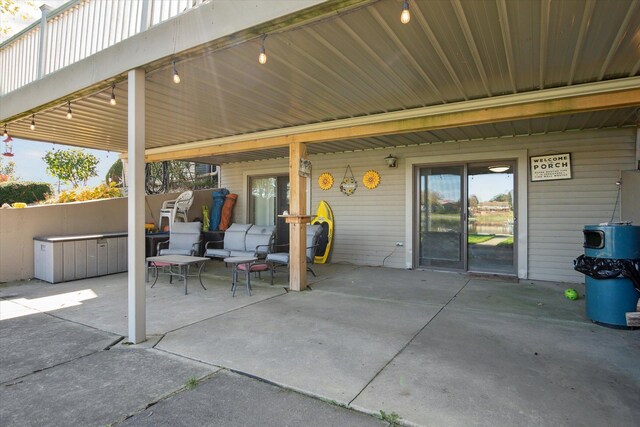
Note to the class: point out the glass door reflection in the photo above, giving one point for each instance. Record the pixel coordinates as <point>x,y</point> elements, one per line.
<point>270,196</point>
<point>490,234</point>
<point>441,222</point>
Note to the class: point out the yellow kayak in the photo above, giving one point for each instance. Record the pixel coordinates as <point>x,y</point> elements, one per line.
<point>324,217</point>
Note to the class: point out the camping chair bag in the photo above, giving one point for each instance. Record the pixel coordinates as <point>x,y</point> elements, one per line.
<point>216,208</point>
<point>227,210</point>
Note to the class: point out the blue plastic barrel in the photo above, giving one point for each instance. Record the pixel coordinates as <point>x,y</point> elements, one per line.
<point>614,241</point>
<point>607,300</point>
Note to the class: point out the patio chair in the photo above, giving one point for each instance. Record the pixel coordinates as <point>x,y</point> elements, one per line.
<point>259,241</point>
<point>184,239</point>
<point>233,241</point>
<point>176,208</point>
<point>282,258</point>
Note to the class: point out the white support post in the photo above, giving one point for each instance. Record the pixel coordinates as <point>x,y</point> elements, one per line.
<point>145,16</point>
<point>136,214</point>
<point>42,52</point>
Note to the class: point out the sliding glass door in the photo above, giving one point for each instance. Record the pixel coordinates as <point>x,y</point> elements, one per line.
<point>270,196</point>
<point>466,217</point>
<point>441,217</point>
<point>490,244</point>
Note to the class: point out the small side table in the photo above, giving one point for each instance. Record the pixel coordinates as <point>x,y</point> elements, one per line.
<point>235,261</point>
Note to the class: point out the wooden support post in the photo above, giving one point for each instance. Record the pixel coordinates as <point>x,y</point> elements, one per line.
<point>297,222</point>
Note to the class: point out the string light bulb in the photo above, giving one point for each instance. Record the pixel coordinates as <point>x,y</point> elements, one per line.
<point>33,122</point>
<point>5,134</point>
<point>262,58</point>
<point>176,76</point>
<point>69,114</point>
<point>113,95</point>
<point>405,16</point>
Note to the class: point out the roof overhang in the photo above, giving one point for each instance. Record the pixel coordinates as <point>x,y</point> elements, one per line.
<point>613,94</point>
<point>347,75</point>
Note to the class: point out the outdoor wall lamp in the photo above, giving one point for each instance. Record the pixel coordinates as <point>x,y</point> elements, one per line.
<point>392,162</point>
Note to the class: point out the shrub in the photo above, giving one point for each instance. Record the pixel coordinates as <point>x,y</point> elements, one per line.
<point>102,191</point>
<point>23,191</point>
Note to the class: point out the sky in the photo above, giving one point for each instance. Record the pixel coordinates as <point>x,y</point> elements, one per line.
<point>28,154</point>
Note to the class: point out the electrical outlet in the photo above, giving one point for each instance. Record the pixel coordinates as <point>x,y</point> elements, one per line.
<point>399,244</point>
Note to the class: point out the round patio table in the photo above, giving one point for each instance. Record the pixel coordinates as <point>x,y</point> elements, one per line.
<point>235,261</point>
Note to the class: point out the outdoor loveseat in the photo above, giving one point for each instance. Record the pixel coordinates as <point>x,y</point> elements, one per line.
<point>243,240</point>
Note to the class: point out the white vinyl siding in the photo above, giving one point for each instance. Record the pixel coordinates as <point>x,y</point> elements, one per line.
<point>559,210</point>
<point>369,222</point>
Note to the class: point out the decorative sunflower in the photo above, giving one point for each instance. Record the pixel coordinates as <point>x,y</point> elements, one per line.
<point>325,181</point>
<point>371,179</point>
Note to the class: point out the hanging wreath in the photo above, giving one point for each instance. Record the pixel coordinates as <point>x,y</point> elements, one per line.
<point>349,183</point>
<point>325,181</point>
<point>371,179</point>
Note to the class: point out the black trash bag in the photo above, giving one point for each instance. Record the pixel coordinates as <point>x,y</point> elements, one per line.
<point>605,268</point>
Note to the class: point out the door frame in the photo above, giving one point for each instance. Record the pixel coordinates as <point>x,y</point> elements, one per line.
<point>520,187</point>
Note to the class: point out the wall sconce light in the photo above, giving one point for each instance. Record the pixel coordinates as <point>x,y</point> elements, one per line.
<point>392,162</point>
<point>499,168</point>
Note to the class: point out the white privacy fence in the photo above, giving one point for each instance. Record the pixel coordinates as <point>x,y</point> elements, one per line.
<point>75,31</point>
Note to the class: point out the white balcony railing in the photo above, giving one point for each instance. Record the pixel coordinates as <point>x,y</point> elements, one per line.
<point>78,29</point>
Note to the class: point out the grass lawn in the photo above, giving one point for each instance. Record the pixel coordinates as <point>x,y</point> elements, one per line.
<point>506,242</point>
<point>474,239</point>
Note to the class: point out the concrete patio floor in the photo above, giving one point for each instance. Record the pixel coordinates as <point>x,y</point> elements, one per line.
<point>434,348</point>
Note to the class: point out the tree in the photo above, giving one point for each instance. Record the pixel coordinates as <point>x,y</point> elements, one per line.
<point>177,175</point>
<point>9,7</point>
<point>473,201</point>
<point>73,166</point>
<point>8,171</point>
<point>115,173</point>
<point>504,197</point>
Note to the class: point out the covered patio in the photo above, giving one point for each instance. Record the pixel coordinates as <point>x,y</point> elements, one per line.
<point>462,81</point>
<point>435,348</point>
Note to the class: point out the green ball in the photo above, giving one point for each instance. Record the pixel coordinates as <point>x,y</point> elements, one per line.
<point>571,294</point>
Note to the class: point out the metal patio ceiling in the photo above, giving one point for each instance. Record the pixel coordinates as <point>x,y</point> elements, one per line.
<point>365,62</point>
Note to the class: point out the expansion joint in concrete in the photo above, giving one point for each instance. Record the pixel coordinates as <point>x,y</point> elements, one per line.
<point>409,342</point>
